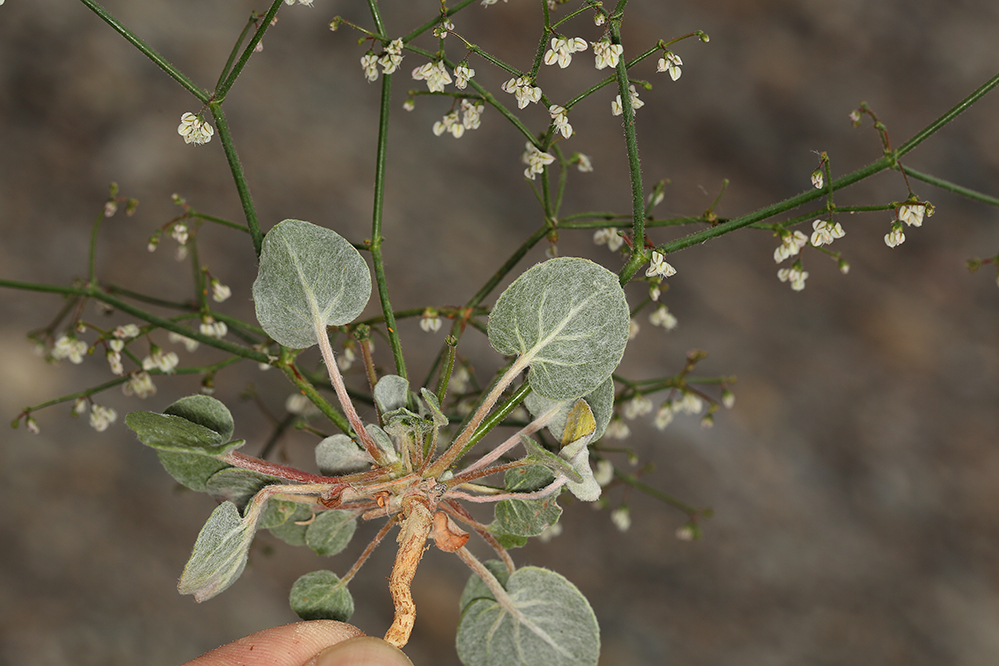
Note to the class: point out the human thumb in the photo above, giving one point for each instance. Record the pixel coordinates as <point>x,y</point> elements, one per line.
<point>362,651</point>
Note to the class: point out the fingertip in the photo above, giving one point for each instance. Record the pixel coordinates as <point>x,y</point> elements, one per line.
<point>362,651</point>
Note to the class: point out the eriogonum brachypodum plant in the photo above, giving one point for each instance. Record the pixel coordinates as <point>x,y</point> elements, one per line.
<point>422,455</point>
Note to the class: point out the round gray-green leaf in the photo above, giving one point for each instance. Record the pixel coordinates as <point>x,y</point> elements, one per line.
<point>318,596</point>
<point>308,274</point>
<point>551,624</point>
<point>568,319</point>
<point>330,532</point>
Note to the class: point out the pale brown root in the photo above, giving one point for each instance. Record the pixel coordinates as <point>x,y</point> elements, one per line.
<point>413,533</point>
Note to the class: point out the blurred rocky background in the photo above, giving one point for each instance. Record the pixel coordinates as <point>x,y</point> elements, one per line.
<point>856,480</point>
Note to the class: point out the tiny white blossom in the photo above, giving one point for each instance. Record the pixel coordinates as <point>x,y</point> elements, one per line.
<point>434,74</point>
<point>670,62</point>
<point>165,362</point>
<point>664,415</point>
<point>794,275</point>
<point>551,531</point>
<point>296,403</point>
<point>445,27</point>
<point>654,291</point>
<point>825,232</point>
<point>685,533</point>
<point>462,73</point>
<point>189,344</point>
<point>139,384</point>
<point>126,332</point>
<point>535,160</point>
<point>633,329</point>
<point>194,129</point>
<point>369,63</point>
<point>728,399</point>
<point>409,104</point>
<point>394,47</point>
<point>855,116</point>
<point>390,62</point>
<point>471,114</point>
<point>659,266</point>
<point>102,417</point>
<point>661,316</point>
<point>449,123</point>
<point>179,233</point>
<point>110,208</point>
<point>604,472</point>
<point>636,104</point>
<point>895,237</point>
<point>79,407</point>
<point>551,251</point>
<point>608,236</point>
<point>912,214</point>
<point>346,359</point>
<point>116,345</point>
<point>584,163</point>
<point>220,292</point>
<point>459,380</point>
<point>617,429</point>
<point>212,328</point>
<point>599,19</point>
<point>523,90</point>
<point>561,119</point>
<point>430,322</point>
<point>690,403</point>
<point>30,422</point>
<point>562,50</point>
<point>114,360</point>
<point>817,179</point>
<point>637,406</point>
<point>301,2</point>
<point>71,348</point>
<point>606,54</point>
<point>621,517</point>
<point>791,244</point>
<point>844,267</point>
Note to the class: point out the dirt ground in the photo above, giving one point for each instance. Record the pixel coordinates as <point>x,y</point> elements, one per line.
<point>856,480</point>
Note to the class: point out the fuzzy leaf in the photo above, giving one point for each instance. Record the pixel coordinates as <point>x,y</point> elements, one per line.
<point>550,624</point>
<point>568,319</point>
<point>317,596</point>
<point>206,411</point>
<point>338,454</point>
<point>578,433</point>
<point>190,469</point>
<point>525,517</point>
<point>476,589</point>
<point>330,532</point>
<point>219,553</point>
<point>292,531</point>
<point>601,402</point>
<point>308,274</point>
<point>434,405</point>
<point>391,393</point>
<point>195,424</point>
<point>556,464</point>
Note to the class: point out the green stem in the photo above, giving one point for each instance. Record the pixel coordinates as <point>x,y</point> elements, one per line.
<point>961,106</point>
<point>222,90</point>
<point>237,175</point>
<point>376,227</point>
<point>149,52</point>
<point>951,187</point>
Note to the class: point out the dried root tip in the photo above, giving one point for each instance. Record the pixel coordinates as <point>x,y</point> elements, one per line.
<point>413,535</point>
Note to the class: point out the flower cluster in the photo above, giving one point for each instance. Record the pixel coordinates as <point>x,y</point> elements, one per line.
<point>165,362</point>
<point>194,129</point>
<point>617,109</point>
<point>689,403</point>
<point>791,244</point>
<point>69,347</point>
<point>562,50</point>
<point>523,89</point>
<point>470,119</point>
<point>794,275</point>
<point>535,160</point>
<point>462,73</point>
<point>825,232</point>
<point>659,266</point>
<point>637,406</point>
<point>561,119</point>
<point>212,328</point>
<point>610,237</point>
<point>392,58</point>
<point>606,54</point>
<point>430,321</point>
<point>435,74</point>
<point>911,214</point>
<point>139,384</point>
<point>220,292</point>
<point>102,417</point>
<point>670,62</point>
<point>661,316</point>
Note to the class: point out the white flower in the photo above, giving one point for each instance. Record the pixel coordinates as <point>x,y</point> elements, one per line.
<point>791,244</point>
<point>604,473</point>
<point>621,517</point>
<point>664,415</point>
<point>617,429</point>
<point>126,332</point>
<point>562,50</point>
<point>459,380</point>
<point>389,62</point>
<point>584,163</point>
<point>523,90</point>
<point>606,54</point>
<point>794,275</point>
<point>599,19</point>
<point>442,29</point>
<point>79,407</point>
<point>659,266</point>
<point>690,403</point>
<point>346,359</point>
<point>471,114</point>
<point>608,236</point>
<point>825,232</point>
<point>636,104</point>
<point>114,360</point>
<point>212,328</point>
<point>139,384</point>
<point>844,267</point>
<point>434,74</point>
<point>817,179</point>
<point>561,119</point>
<point>102,417</point>
<point>369,63</point>
<point>654,291</point>
<point>551,531</point>
<point>661,316</point>
<point>895,237</point>
<point>409,104</point>
<point>449,123</point>
<point>912,214</point>
<point>179,233</point>
<point>633,329</point>
<point>394,47</point>
<point>188,343</point>
<point>220,292</point>
<point>71,348</point>
<point>670,62</point>
<point>430,322</point>
<point>462,73</point>
<point>194,129</point>
<point>296,403</point>
<point>165,362</point>
<point>30,422</point>
<point>685,533</point>
<point>551,251</point>
<point>728,399</point>
<point>301,2</point>
<point>535,161</point>
<point>637,406</point>
<point>855,116</point>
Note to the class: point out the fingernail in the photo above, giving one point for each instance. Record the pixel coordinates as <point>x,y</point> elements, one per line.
<point>363,651</point>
